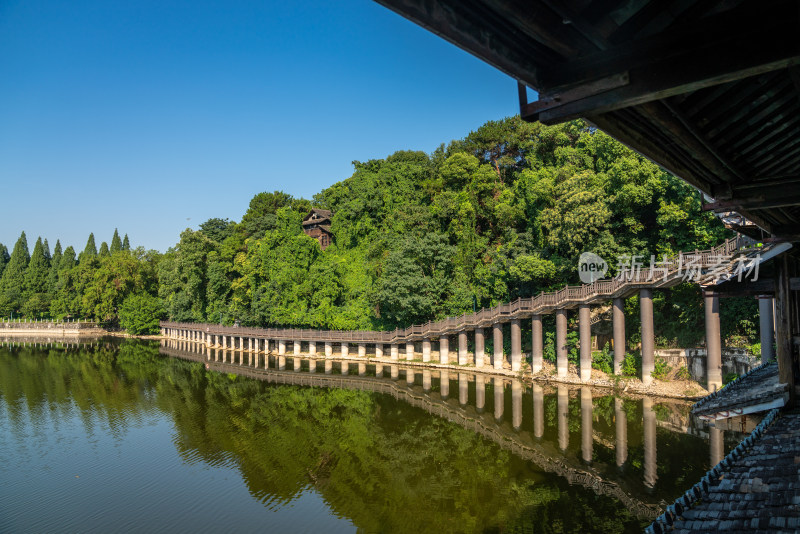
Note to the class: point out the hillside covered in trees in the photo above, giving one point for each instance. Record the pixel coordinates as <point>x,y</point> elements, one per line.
<point>503,213</point>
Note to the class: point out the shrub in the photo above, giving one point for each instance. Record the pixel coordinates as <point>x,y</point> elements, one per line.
<point>729,377</point>
<point>660,369</point>
<point>140,313</point>
<point>602,360</point>
<point>683,374</point>
<point>631,365</point>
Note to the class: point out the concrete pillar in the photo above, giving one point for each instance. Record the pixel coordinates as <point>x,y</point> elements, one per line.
<point>562,364</point>
<point>766,321</point>
<point>713,342</point>
<point>585,328</point>
<point>224,342</point>
<point>563,425</point>
<point>516,345</point>
<point>537,344</point>
<point>650,467</point>
<point>499,398</point>
<point>345,348</point>
<point>297,365</point>
<point>648,335</point>
<point>618,318</point>
<point>426,350</point>
<point>362,350</point>
<point>426,380</point>
<point>394,372</point>
<point>328,367</point>
<point>538,411</point>
<point>480,392</point>
<point>497,357</point>
<point>444,350</point>
<point>516,404</point>
<point>312,366</point>
<point>586,425</point>
<point>410,377</point>
<point>621,422</point>
<point>444,383</point>
<point>409,350</point>
<point>463,389</point>
<point>281,347</point>
<point>312,348</point>
<point>296,347</point>
<point>480,347</point>
<point>328,349</point>
<point>394,351</point>
<point>716,445</point>
<point>462,348</point>
<point>379,350</point>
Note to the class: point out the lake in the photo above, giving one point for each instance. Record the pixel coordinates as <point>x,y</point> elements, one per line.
<point>137,436</point>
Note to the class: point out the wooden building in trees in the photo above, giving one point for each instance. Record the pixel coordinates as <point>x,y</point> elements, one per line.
<point>317,224</point>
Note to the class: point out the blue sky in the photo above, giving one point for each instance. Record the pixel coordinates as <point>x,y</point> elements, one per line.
<point>155,116</point>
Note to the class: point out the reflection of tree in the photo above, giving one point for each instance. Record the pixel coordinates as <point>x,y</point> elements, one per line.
<point>386,465</point>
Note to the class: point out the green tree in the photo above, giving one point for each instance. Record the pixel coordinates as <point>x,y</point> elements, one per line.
<point>12,283</point>
<point>52,275</point>
<point>116,243</point>
<point>35,282</point>
<point>4,257</point>
<point>140,313</point>
<point>90,250</point>
<point>126,245</point>
<point>104,252</point>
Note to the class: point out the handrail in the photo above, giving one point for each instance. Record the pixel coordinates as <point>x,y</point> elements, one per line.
<point>658,274</point>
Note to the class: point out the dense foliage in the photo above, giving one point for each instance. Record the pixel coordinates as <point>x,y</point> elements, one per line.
<point>500,214</point>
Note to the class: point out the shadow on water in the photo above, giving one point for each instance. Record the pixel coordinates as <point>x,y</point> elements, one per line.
<point>388,447</point>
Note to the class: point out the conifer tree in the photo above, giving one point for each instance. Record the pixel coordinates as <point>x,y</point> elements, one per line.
<point>13,280</point>
<point>36,273</point>
<point>52,276</point>
<point>126,245</point>
<point>91,249</point>
<point>104,250</point>
<point>116,243</point>
<point>3,258</point>
<point>67,259</point>
<point>46,250</point>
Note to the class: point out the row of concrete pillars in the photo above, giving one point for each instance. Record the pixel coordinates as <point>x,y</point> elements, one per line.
<point>497,360</point>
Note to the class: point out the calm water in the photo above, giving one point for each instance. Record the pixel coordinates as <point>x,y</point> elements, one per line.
<point>137,437</point>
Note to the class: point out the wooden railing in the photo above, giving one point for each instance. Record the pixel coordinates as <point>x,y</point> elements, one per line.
<point>663,273</point>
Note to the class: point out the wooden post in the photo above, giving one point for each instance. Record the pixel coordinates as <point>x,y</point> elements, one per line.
<point>783,329</point>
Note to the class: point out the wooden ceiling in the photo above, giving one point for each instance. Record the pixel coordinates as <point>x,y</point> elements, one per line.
<point>710,90</point>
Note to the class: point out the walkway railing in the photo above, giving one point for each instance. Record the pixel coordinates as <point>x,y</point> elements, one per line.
<point>664,273</point>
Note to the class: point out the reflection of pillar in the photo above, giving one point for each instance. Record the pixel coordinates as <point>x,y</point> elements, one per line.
<point>426,350</point>
<point>281,346</point>
<point>538,411</point>
<point>281,363</point>
<point>379,370</point>
<point>463,389</point>
<point>224,342</point>
<point>537,344</point>
<point>297,365</point>
<point>648,335</point>
<point>444,349</point>
<point>410,377</point>
<point>362,369</point>
<point>296,347</point>
<point>499,398</point>
<point>379,350</point>
<point>716,444</point>
<point>462,348</point>
<point>650,474</point>
<point>345,349</point>
<point>344,368</point>
<point>585,328</point>
<point>394,372</point>
<point>480,392</point>
<point>312,366</point>
<point>410,350</point>
<point>621,420</point>
<point>312,348</point>
<point>394,351</point>
<point>426,381</point>
<point>713,342</point>
<point>563,427</point>
<point>618,318</point>
<point>328,349</point>
<point>586,424</point>
<point>444,383</point>
<point>516,404</point>
<point>480,347</point>
<point>516,345</point>
<point>328,367</point>
<point>362,350</point>
<point>561,342</point>
<point>497,357</point>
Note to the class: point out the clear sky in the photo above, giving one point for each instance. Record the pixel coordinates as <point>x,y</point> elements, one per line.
<point>153,116</point>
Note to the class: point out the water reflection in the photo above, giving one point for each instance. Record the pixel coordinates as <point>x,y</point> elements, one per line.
<point>561,444</point>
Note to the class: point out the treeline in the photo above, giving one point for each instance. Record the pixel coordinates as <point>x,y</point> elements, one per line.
<point>503,213</point>
<point>93,284</point>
